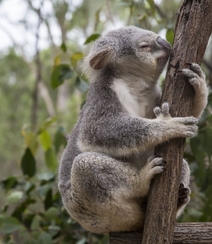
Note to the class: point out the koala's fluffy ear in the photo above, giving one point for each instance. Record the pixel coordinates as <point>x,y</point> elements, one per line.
<point>101,58</point>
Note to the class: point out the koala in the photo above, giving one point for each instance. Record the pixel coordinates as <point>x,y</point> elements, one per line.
<point>108,164</point>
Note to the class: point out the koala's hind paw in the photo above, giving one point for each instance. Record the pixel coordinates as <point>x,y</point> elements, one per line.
<point>155,165</point>
<point>183,196</point>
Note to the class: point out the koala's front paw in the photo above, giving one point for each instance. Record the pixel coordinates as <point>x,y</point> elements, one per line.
<point>176,126</point>
<point>183,196</point>
<point>196,77</point>
<point>155,165</point>
<point>185,126</point>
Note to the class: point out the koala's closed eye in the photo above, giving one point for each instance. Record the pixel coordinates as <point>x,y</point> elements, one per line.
<point>144,45</point>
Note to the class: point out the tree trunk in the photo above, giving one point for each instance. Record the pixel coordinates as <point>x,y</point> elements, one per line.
<point>184,233</point>
<point>192,31</point>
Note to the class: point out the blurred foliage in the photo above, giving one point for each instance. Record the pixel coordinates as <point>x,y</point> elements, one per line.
<point>31,208</point>
<point>32,212</point>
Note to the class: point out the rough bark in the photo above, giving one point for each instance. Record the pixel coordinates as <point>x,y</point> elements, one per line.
<point>192,31</point>
<point>184,233</point>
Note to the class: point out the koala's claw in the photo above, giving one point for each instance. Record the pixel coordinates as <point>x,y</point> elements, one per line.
<point>186,120</point>
<point>197,69</point>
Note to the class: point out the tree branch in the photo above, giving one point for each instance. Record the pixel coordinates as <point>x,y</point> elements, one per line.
<point>46,98</point>
<point>44,20</point>
<point>184,233</point>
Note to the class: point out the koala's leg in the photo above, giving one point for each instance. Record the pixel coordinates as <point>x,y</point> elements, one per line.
<point>184,190</point>
<point>107,194</point>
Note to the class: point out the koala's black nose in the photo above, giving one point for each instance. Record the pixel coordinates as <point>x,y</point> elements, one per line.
<point>163,43</point>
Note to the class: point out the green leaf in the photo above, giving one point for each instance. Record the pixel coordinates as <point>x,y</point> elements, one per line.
<point>44,238</point>
<point>48,176</point>
<point>48,122</point>
<point>30,139</point>
<point>30,241</point>
<point>76,57</point>
<point>151,6</point>
<point>63,47</point>
<point>36,222</point>
<point>81,85</point>
<point>15,196</point>
<point>9,225</point>
<point>45,140</point>
<point>57,60</point>
<point>25,237</point>
<point>44,189</point>
<point>51,213</point>
<point>29,186</point>
<point>170,35</point>
<point>21,208</point>
<point>59,74</point>
<point>9,183</point>
<point>59,139</point>
<point>54,229</point>
<point>28,164</point>
<point>51,160</point>
<point>48,200</point>
<point>92,38</point>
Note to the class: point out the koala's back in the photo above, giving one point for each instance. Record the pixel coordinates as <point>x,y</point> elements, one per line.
<point>101,105</point>
<point>69,154</point>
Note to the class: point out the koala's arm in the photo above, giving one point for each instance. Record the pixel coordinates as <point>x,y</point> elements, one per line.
<point>196,78</point>
<point>124,135</point>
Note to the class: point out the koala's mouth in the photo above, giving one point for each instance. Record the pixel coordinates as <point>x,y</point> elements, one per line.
<point>163,59</point>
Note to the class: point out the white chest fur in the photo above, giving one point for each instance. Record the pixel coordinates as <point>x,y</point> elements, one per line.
<point>136,98</point>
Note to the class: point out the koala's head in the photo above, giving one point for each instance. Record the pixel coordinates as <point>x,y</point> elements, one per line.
<point>129,50</point>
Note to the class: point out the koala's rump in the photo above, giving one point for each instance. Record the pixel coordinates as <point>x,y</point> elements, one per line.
<point>102,198</point>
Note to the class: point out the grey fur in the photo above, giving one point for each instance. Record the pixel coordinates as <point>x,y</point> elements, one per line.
<point>106,168</point>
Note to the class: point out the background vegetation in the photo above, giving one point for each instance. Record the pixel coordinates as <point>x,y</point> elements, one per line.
<point>42,89</point>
